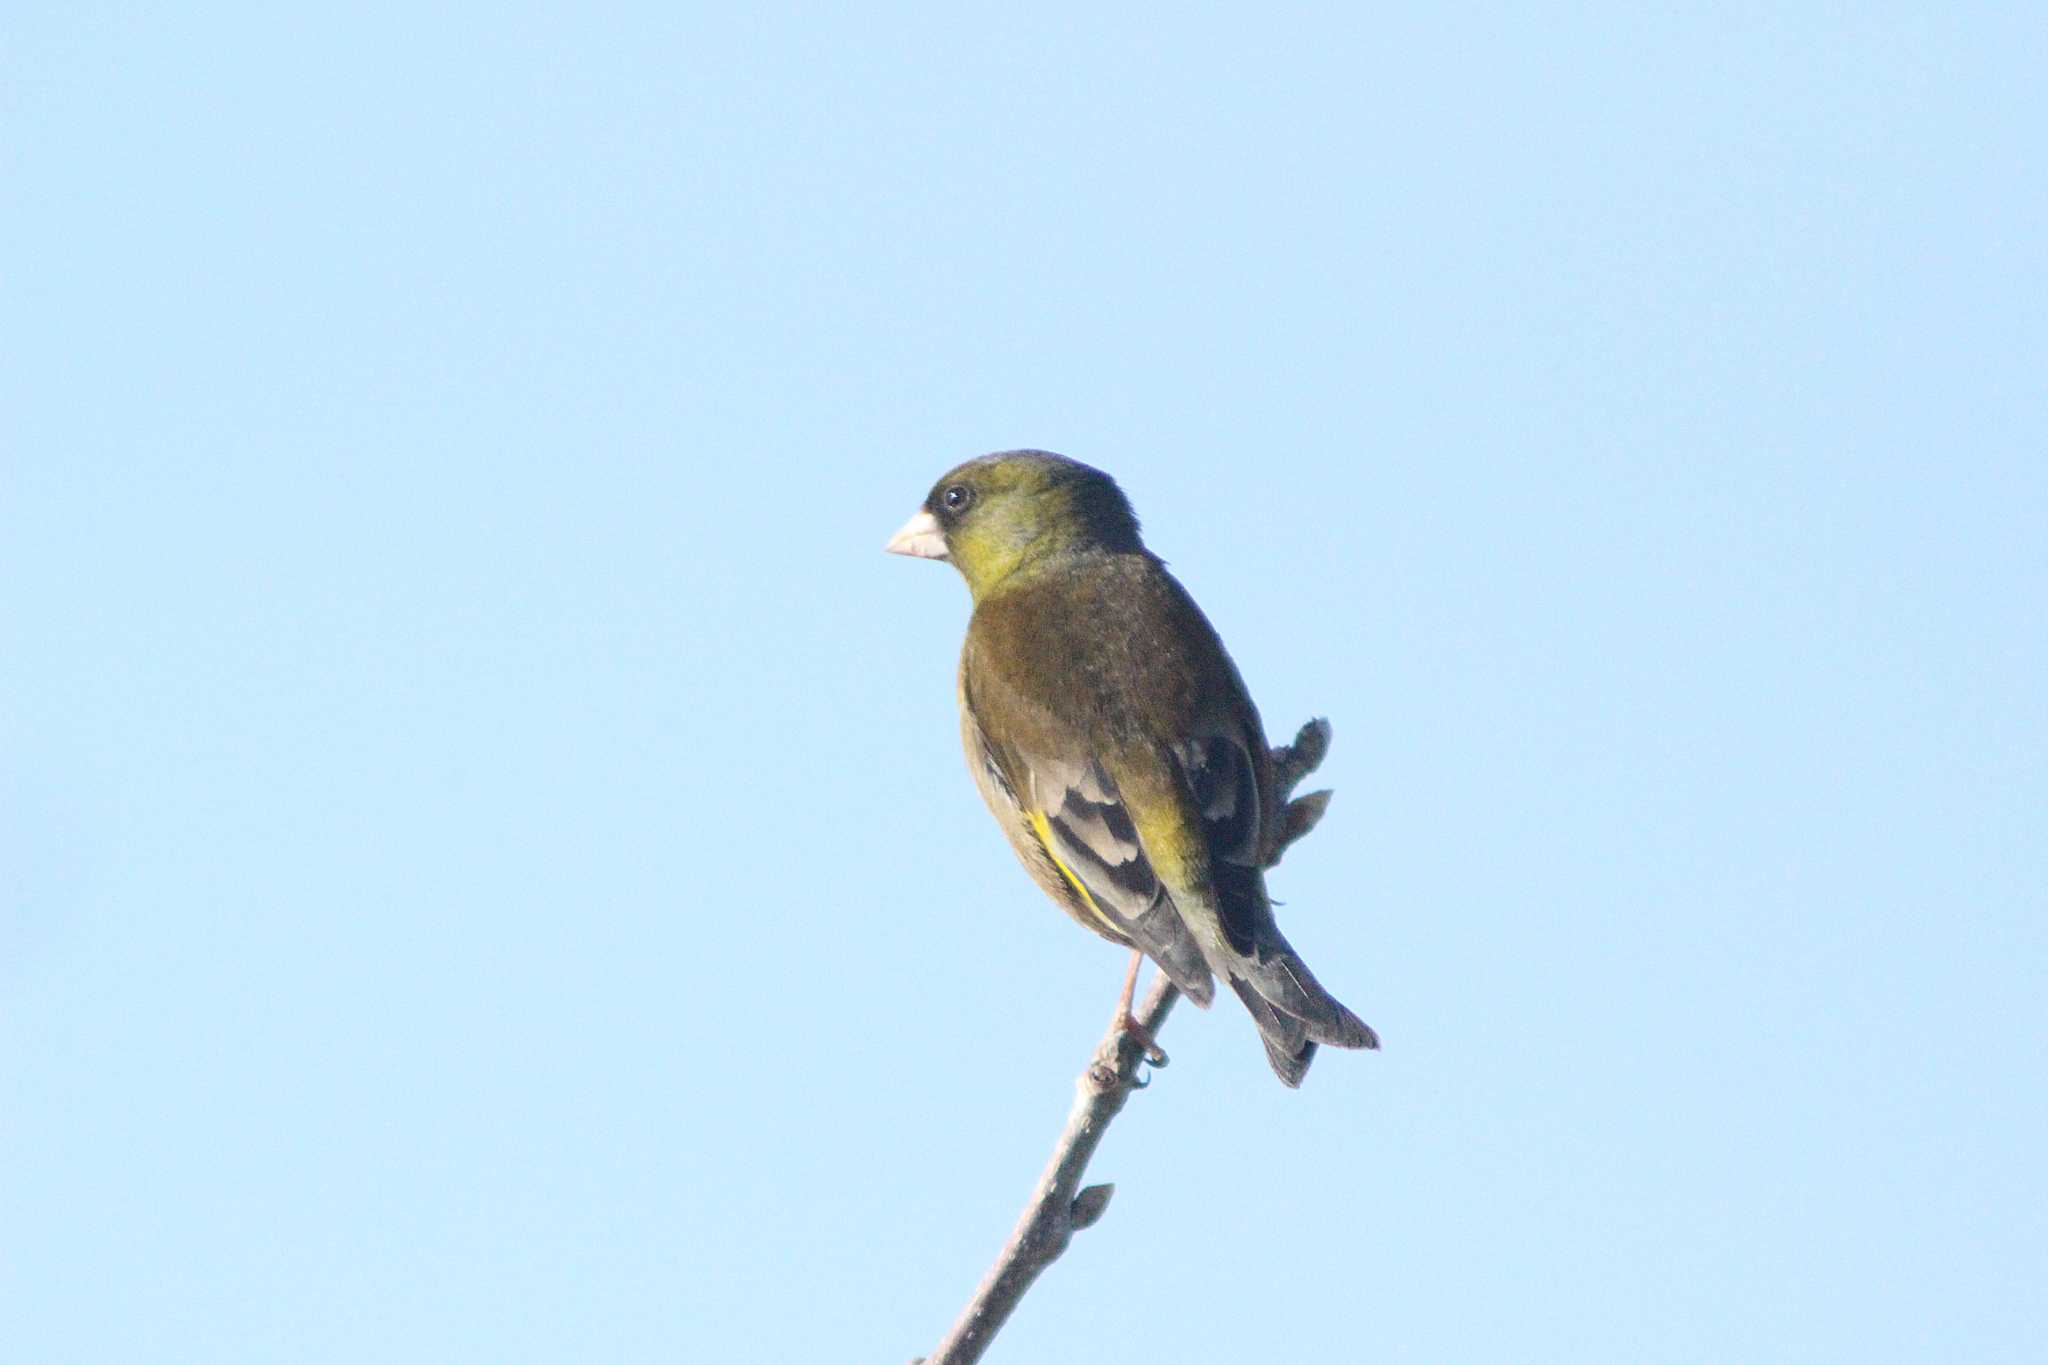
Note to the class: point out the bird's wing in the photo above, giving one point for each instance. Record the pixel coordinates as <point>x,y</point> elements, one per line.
<point>1226,900</point>
<point>1076,816</point>
<point>1216,767</point>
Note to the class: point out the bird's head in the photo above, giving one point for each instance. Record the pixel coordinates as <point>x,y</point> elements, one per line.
<point>1016,510</point>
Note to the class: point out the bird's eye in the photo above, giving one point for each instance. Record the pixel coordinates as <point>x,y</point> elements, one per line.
<point>957,498</point>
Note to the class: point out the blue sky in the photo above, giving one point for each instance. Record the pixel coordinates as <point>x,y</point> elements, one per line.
<point>488,870</point>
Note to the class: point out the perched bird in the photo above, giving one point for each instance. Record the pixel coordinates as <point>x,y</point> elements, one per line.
<point>1114,741</point>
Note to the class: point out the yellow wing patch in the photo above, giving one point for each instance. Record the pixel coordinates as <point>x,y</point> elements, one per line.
<point>1043,829</point>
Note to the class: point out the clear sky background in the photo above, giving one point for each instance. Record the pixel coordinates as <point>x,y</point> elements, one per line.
<point>488,869</point>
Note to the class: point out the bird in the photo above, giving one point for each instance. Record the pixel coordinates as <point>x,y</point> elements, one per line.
<point>1114,741</point>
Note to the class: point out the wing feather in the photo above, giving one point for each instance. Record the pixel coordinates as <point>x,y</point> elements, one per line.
<point>1069,824</point>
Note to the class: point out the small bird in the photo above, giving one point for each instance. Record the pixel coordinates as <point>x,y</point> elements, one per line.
<point>1115,743</point>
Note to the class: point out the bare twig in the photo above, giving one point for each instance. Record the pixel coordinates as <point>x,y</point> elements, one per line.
<point>1059,1207</point>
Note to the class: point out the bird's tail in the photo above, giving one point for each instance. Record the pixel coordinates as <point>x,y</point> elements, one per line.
<point>1287,1044</point>
<point>1293,1011</point>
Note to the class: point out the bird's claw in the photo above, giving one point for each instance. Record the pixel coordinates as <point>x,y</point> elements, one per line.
<point>1148,1051</point>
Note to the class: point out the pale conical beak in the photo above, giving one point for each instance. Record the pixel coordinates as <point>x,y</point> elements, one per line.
<point>920,537</point>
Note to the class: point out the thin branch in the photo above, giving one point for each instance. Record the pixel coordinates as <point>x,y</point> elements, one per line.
<point>1059,1207</point>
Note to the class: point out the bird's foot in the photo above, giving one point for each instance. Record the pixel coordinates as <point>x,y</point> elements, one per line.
<point>1127,1023</point>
